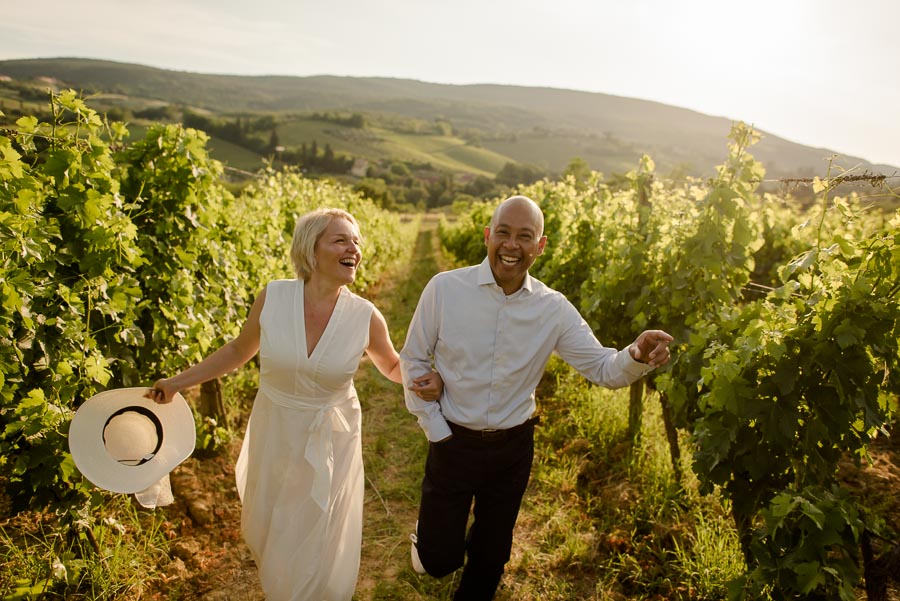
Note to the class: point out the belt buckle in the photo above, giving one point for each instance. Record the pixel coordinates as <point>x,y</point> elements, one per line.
<point>491,434</point>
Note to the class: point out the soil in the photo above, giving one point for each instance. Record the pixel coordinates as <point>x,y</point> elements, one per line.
<point>209,559</point>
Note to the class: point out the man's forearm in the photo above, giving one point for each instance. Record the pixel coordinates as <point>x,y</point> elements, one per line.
<point>428,413</point>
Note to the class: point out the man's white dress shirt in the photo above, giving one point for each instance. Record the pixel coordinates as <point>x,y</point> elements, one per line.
<point>491,350</point>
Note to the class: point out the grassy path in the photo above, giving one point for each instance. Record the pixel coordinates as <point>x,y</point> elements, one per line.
<point>394,448</point>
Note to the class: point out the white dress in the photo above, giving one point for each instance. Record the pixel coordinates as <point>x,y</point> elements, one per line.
<point>300,470</point>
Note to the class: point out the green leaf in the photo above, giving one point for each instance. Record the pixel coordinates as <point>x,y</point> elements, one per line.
<point>34,399</point>
<point>67,468</point>
<point>10,165</point>
<point>97,370</point>
<point>847,334</point>
<point>27,124</point>
<point>813,512</point>
<point>779,508</point>
<point>58,164</point>
<point>809,576</point>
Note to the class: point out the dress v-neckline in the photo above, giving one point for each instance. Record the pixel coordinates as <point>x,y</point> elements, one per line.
<point>325,332</point>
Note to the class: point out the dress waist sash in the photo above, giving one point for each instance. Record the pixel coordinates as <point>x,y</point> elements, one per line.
<point>319,453</point>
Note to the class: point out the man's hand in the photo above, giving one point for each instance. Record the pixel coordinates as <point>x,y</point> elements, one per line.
<point>428,387</point>
<point>651,347</point>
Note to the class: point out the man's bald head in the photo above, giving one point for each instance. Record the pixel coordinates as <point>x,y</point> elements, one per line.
<point>519,200</point>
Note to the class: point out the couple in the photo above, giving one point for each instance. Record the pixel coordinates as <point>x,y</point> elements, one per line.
<point>488,330</point>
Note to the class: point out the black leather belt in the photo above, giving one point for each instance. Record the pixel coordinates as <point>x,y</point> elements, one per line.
<point>492,434</point>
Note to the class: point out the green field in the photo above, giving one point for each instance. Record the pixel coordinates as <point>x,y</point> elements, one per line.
<point>374,144</point>
<point>233,155</point>
<point>448,152</point>
<point>537,149</point>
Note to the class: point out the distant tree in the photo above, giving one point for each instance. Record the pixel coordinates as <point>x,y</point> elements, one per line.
<point>513,174</point>
<point>163,113</point>
<point>463,199</point>
<point>441,191</point>
<point>376,190</point>
<point>231,131</point>
<point>118,113</point>
<point>262,123</point>
<point>196,121</point>
<point>443,127</point>
<point>399,170</point>
<point>579,171</point>
<point>416,193</point>
<point>481,187</point>
<point>273,140</point>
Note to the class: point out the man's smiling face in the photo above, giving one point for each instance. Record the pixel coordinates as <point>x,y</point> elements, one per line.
<point>513,242</point>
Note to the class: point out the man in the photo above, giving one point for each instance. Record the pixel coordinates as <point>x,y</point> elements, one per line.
<point>489,331</point>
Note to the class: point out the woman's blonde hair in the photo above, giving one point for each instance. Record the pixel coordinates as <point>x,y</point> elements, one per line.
<point>307,232</point>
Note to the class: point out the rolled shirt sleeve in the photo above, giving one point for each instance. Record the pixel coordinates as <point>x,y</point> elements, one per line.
<point>416,359</point>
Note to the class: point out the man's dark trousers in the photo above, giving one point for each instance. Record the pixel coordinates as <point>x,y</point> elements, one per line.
<point>492,469</point>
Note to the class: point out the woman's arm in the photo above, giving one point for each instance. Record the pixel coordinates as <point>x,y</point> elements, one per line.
<point>381,350</point>
<point>230,357</point>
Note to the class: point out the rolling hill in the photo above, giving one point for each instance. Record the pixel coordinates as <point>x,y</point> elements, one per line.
<point>491,124</point>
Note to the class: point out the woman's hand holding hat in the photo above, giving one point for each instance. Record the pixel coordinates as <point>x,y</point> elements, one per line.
<point>123,441</point>
<point>162,391</point>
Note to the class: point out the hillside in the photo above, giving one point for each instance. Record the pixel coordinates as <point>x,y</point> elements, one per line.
<point>491,123</point>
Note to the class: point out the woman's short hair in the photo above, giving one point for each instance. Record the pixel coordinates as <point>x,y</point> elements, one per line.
<point>307,232</point>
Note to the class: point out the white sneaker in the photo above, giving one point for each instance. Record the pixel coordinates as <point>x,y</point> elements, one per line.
<point>417,566</point>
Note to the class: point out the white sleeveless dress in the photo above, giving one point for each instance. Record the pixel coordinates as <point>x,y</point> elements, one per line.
<point>300,470</point>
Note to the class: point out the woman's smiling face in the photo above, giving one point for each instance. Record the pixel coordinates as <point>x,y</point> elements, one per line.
<point>337,251</point>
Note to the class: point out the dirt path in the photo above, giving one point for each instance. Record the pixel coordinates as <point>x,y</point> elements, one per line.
<point>394,446</point>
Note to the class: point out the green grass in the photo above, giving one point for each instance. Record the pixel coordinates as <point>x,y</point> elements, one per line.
<point>711,556</point>
<point>448,152</point>
<point>233,155</point>
<point>555,151</point>
<point>604,520</point>
<point>114,558</point>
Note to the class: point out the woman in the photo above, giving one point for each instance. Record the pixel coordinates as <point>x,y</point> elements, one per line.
<point>300,470</point>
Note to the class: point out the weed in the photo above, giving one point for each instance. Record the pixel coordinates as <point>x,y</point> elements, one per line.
<point>110,558</point>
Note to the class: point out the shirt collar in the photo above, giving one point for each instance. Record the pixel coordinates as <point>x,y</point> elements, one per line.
<point>486,276</point>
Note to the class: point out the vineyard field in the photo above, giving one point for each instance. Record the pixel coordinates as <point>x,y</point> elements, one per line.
<point>761,463</point>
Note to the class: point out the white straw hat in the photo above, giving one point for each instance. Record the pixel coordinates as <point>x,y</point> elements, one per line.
<point>126,443</point>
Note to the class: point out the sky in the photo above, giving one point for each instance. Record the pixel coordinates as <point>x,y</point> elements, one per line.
<point>822,73</point>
